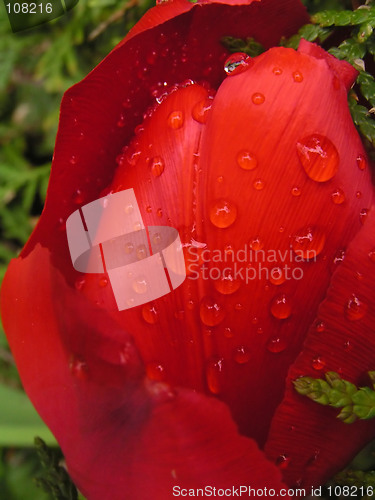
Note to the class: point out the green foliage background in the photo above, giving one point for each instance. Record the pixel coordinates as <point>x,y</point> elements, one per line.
<point>36,67</point>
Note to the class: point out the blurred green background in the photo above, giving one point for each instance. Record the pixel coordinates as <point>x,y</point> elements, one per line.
<point>36,67</point>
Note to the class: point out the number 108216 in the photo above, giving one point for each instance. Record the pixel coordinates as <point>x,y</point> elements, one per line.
<point>29,8</point>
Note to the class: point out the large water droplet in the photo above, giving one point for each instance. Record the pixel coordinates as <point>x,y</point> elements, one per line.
<point>355,308</point>
<point>141,252</point>
<point>214,372</point>
<point>308,242</point>
<point>223,213</point>
<point>319,157</point>
<point>281,308</point>
<point>140,285</point>
<point>157,166</point>
<point>258,98</point>
<point>276,345</point>
<point>175,119</point>
<point>246,160</point>
<point>338,196</point>
<point>237,63</point>
<point>211,312</point>
<point>361,162</point>
<point>241,355</point>
<point>277,276</point>
<point>282,461</point>
<point>258,184</point>
<point>201,110</point>
<point>227,284</point>
<point>149,313</point>
<point>297,76</point>
<point>296,191</point>
<point>78,367</point>
<point>318,363</point>
<point>256,243</point>
<point>363,215</point>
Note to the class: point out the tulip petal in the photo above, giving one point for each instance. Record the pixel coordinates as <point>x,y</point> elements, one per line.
<point>273,204</point>
<point>124,436</point>
<point>174,42</point>
<point>341,340</point>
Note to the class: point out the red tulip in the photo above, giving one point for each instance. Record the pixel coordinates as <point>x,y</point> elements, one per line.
<point>266,180</point>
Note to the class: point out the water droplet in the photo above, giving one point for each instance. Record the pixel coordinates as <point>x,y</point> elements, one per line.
<point>338,196</point>
<point>258,184</point>
<point>281,307</point>
<point>73,160</point>
<point>220,179</point>
<point>277,276</point>
<point>121,122</point>
<point>201,110</point>
<point>339,257</point>
<point>282,461</point>
<point>318,363</point>
<point>211,312</point>
<point>320,327</point>
<point>157,166</point>
<point>78,367</point>
<point>256,243</point>
<point>319,157</point>
<point>155,371</point>
<point>141,252</point>
<point>77,197</point>
<point>296,191</point>
<point>140,285</point>
<point>149,313</point>
<point>361,162</point>
<point>246,160</point>
<point>227,284</point>
<point>103,282</point>
<point>128,248</point>
<point>223,213</point>
<point>129,209</point>
<point>308,242</point>
<point>237,63</point>
<point>214,372</point>
<point>276,345</point>
<point>228,333</point>
<point>363,215</point>
<point>297,76</point>
<point>241,355</point>
<point>258,98</point>
<point>176,119</point>
<point>157,238</point>
<point>358,194</point>
<point>159,212</point>
<point>371,255</point>
<point>137,226</point>
<point>347,345</point>
<point>79,283</point>
<point>277,71</point>
<point>355,308</point>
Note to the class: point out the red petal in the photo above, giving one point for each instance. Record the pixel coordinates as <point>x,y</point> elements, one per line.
<point>341,340</point>
<point>174,42</point>
<point>123,436</point>
<point>267,119</point>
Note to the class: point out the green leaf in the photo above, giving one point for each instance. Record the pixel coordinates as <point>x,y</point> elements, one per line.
<point>19,421</point>
<point>334,391</point>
